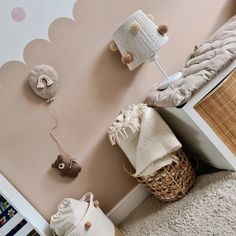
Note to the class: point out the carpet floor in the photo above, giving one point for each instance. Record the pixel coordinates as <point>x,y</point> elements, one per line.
<point>208,209</point>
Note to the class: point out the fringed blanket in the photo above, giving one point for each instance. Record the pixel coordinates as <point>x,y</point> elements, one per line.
<point>206,61</point>
<point>145,138</point>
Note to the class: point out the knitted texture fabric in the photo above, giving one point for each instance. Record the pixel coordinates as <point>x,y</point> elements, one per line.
<point>208,209</point>
<point>47,91</point>
<point>143,44</point>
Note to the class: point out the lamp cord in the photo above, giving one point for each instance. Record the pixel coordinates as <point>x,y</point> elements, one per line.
<point>159,66</point>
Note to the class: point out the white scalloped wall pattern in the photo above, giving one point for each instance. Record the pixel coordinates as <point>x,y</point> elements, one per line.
<point>26,20</point>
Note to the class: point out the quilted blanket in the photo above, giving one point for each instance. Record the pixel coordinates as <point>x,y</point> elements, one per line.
<point>206,61</point>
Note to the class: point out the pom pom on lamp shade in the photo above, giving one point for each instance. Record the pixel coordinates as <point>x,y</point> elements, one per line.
<point>143,43</point>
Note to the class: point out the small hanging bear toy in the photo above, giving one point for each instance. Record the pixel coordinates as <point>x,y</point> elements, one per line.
<point>67,166</point>
<point>44,82</point>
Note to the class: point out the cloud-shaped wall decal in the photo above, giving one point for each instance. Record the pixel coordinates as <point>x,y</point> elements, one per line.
<point>26,20</point>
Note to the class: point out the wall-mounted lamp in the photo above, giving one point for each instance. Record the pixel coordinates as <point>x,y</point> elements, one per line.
<point>138,39</point>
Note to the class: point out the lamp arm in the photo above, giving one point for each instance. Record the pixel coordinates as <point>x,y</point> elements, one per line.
<point>159,66</point>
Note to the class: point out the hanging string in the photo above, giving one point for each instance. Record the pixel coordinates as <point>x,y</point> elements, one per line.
<point>54,116</point>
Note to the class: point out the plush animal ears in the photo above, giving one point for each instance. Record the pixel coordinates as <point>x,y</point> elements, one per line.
<point>44,81</point>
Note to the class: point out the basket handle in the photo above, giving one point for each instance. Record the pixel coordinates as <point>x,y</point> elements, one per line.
<point>127,172</point>
<point>88,197</point>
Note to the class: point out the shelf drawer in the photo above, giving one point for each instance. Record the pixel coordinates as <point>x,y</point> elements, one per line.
<point>218,109</point>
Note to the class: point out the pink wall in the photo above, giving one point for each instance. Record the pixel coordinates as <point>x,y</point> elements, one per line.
<point>94,88</point>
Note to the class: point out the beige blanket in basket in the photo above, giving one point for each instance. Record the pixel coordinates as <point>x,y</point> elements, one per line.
<point>145,138</point>
<point>207,60</point>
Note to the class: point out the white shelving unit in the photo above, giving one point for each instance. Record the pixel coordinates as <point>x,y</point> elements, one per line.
<point>195,133</point>
<point>25,211</point>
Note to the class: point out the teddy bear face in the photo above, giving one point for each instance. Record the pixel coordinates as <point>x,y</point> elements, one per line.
<point>67,166</point>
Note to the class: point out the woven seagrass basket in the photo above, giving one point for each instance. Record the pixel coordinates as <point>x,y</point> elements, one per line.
<point>171,182</point>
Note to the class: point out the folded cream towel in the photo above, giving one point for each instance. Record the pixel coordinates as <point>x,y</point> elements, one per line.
<point>145,138</point>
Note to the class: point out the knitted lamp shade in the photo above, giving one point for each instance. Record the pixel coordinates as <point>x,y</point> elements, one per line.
<point>138,36</point>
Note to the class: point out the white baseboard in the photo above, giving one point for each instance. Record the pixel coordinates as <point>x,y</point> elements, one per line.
<point>128,203</point>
